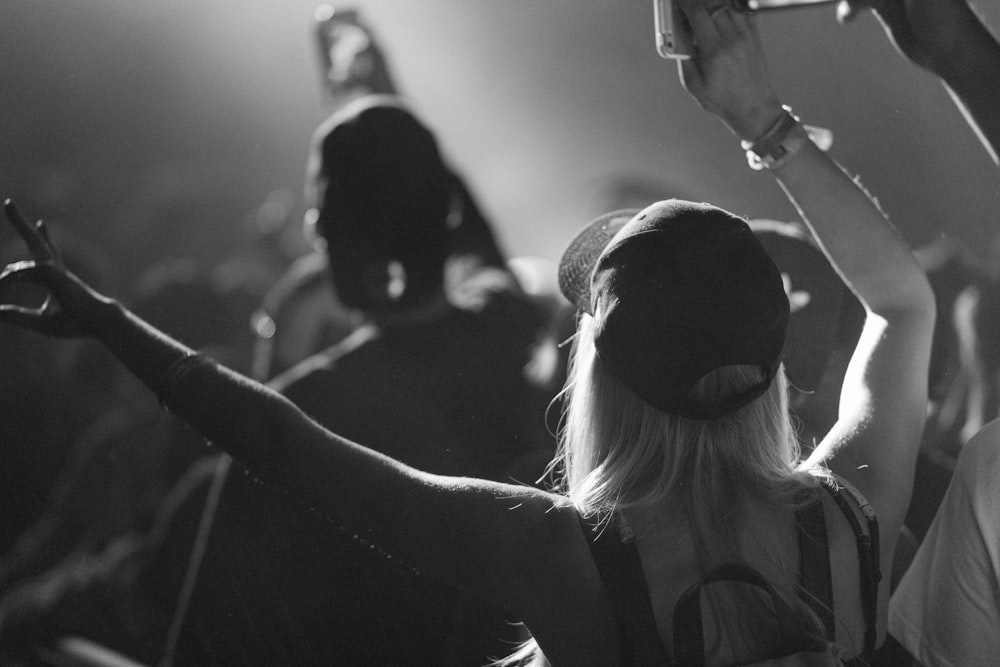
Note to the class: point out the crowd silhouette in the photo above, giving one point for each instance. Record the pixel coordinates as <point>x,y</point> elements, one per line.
<point>403,446</point>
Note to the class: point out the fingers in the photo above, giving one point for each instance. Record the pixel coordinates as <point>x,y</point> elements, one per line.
<point>724,20</point>
<point>19,273</point>
<point>49,317</point>
<point>21,226</point>
<point>43,231</point>
<point>35,236</point>
<point>715,21</point>
<point>16,270</point>
<point>699,17</point>
<point>13,313</point>
<point>690,75</point>
<point>891,14</point>
<point>848,10</point>
<point>738,23</point>
<point>43,274</point>
<point>19,316</point>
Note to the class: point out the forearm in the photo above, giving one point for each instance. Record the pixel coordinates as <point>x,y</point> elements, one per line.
<point>861,243</point>
<point>432,523</point>
<point>238,415</point>
<point>260,428</point>
<point>965,55</point>
<point>883,397</point>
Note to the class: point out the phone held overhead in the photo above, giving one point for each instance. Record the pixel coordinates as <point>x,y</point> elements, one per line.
<point>673,36</point>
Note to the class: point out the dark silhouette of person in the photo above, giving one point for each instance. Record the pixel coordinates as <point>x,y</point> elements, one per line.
<point>240,572</point>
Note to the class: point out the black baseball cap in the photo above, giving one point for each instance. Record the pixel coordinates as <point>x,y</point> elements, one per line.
<point>678,289</point>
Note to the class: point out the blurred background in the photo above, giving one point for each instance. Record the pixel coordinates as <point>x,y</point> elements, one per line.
<point>150,129</point>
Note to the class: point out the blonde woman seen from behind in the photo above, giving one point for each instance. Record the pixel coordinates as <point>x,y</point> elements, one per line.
<point>677,453</point>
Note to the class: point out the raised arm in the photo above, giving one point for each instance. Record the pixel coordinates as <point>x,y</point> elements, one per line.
<point>884,396</point>
<point>947,38</point>
<point>477,535</point>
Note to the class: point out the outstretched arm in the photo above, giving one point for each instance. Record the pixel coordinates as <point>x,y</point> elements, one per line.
<point>947,38</point>
<point>499,541</point>
<point>884,396</point>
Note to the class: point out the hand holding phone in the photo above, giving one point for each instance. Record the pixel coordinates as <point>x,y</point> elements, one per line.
<point>673,34</point>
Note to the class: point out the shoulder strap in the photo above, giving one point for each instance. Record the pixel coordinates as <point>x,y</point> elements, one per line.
<point>868,556</point>
<point>621,572</point>
<point>617,560</point>
<point>815,577</point>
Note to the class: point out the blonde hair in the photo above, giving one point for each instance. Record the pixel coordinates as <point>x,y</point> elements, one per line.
<point>617,452</point>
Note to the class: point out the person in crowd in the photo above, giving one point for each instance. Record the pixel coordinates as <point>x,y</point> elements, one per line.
<point>381,205</point>
<point>302,314</point>
<point>977,319</point>
<point>972,397</point>
<point>945,609</point>
<point>436,371</point>
<point>824,317</point>
<point>954,274</point>
<point>677,455</point>
<point>436,378</point>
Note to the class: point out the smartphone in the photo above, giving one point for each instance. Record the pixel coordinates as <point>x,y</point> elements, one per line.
<point>760,5</point>
<point>673,37</point>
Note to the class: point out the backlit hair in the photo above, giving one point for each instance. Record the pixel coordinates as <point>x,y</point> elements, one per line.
<point>617,452</point>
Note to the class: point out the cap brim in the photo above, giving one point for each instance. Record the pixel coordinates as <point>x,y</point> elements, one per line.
<point>579,258</point>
